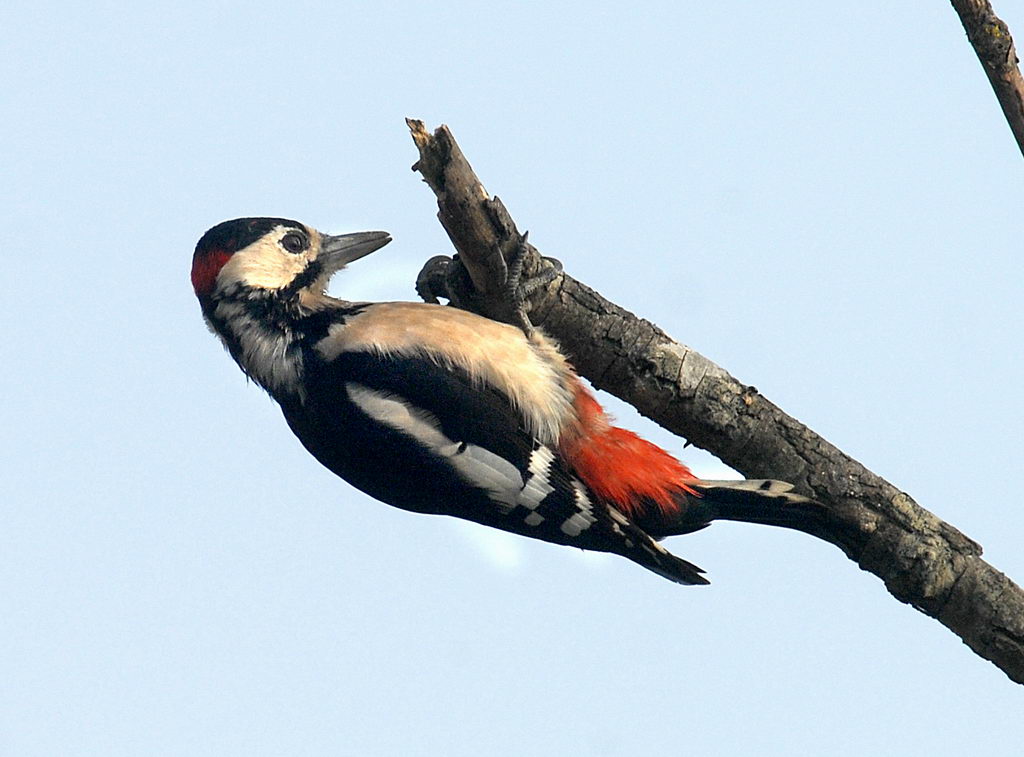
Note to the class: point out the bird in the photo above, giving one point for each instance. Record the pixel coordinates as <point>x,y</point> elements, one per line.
<point>436,410</point>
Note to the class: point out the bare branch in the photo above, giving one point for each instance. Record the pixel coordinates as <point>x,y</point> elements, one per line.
<point>990,37</point>
<point>923,561</point>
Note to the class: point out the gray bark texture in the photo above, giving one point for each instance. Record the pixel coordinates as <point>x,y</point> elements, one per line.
<point>990,37</point>
<point>923,561</point>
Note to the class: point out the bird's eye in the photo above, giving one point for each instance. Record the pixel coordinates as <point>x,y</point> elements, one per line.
<point>294,241</point>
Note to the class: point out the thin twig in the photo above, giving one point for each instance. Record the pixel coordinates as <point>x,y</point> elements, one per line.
<point>990,37</point>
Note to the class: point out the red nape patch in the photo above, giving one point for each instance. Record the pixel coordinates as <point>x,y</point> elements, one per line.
<point>619,466</point>
<point>205,268</point>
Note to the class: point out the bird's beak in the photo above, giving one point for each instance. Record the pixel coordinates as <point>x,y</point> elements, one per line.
<point>337,252</point>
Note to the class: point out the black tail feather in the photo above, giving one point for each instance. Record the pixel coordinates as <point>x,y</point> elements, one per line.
<point>762,501</point>
<point>639,547</point>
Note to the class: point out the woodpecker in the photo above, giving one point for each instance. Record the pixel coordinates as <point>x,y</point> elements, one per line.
<point>437,410</point>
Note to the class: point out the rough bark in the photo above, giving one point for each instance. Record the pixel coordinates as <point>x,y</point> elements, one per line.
<point>923,561</point>
<point>991,39</point>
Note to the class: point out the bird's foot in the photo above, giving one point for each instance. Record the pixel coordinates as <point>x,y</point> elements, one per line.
<point>446,277</point>
<point>519,287</point>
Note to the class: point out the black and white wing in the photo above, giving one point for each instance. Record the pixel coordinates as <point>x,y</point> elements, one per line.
<point>425,436</point>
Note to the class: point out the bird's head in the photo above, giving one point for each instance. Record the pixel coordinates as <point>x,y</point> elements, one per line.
<point>273,256</point>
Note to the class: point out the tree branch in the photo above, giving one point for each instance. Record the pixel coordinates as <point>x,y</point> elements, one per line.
<point>990,37</point>
<point>923,561</point>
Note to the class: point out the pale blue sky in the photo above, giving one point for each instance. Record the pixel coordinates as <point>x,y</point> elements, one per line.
<point>822,197</point>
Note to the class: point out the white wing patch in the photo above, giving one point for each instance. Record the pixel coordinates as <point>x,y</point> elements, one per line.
<point>491,472</point>
<point>474,464</point>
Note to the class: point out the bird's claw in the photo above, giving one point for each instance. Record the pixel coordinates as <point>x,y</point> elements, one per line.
<point>432,280</point>
<point>446,277</point>
<point>519,288</point>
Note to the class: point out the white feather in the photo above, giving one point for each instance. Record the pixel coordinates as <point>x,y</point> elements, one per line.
<point>477,466</point>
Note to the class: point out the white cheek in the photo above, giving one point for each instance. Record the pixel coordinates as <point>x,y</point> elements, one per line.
<point>263,266</point>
